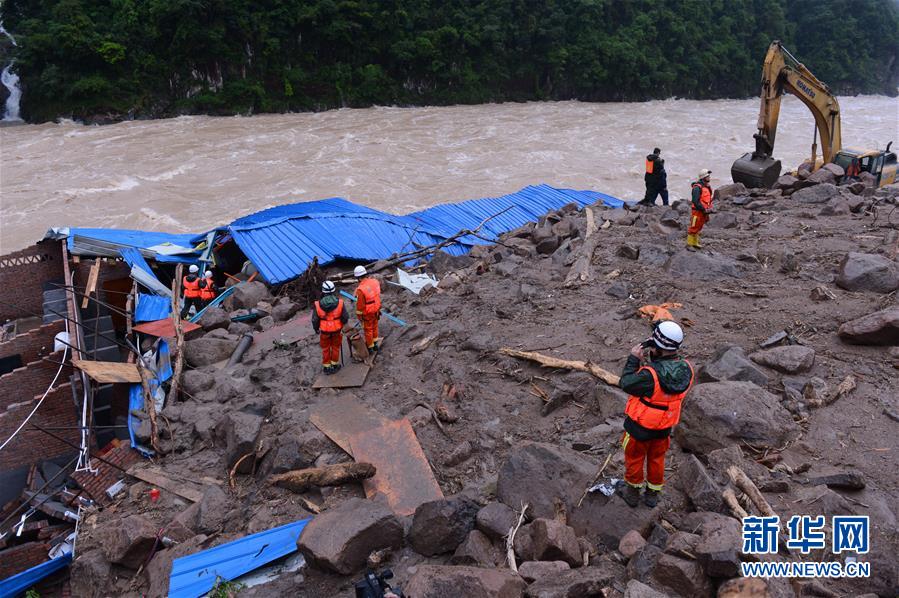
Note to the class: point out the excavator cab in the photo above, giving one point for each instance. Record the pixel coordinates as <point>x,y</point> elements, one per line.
<point>880,163</point>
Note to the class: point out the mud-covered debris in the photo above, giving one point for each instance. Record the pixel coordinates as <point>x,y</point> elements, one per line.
<point>731,363</point>
<point>439,581</point>
<point>584,581</point>
<point>878,328</point>
<point>476,550</point>
<point>439,526</point>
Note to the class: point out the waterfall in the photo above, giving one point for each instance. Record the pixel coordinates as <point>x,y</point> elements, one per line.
<point>10,81</point>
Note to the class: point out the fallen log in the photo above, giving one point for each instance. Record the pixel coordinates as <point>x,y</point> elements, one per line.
<point>730,499</point>
<point>742,481</point>
<point>564,364</point>
<point>582,269</point>
<point>300,480</point>
<point>179,335</point>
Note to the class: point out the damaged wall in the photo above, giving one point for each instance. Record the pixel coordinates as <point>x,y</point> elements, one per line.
<point>23,276</point>
<point>34,344</point>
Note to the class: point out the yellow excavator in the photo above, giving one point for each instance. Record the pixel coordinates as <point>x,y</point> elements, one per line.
<point>782,73</point>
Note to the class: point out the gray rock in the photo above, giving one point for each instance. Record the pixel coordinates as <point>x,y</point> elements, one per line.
<point>821,176</point>
<point>878,328</point>
<point>214,317</point>
<point>241,433</point>
<point>618,290</point>
<point>555,541</point>
<point>789,359</point>
<point>835,169</point>
<point>537,473</point>
<point>671,218</point>
<point>159,569</point>
<point>718,551</point>
<point>442,263</point>
<point>698,485</point>
<point>637,589</point>
<point>641,564</point>
<point>461,453</point>
<point>286,455</point>
<point>439,581</point>
<point>495,520</point>
<point>682,544</point>
<point>213,510</point>
<point>341,538</point>
<point>266,323</point>
<point>701,266</point>
<point>476,550</point>
<point>631,543</point>
<point>628,250</point>
<point>565,228</point>
<point>195,381</point>
<point>727,191</point>
<point>835,207</point>
<point>577,583</point>
<point>620,216</point>
<point>787,182</point>
<point>653,255</point>
<point>846,480</point>
<point>719,414</point>
<point>815,194</point>
<point>247,295</point>
<point>127,541</point>
<point>239,328</point>
<point>730,363</point>
<point>531,571</point>
<point>284,311</point>
<point>545,240</point>
<point>90,573</point>
<point>868,272</point>
<point>208,350</point>
<point>439,526</point>
<point>723,220</point>
<point>606,520</point>
<point>683,576</point>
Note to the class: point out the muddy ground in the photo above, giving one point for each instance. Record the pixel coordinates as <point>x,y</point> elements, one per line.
<point>777,252</point>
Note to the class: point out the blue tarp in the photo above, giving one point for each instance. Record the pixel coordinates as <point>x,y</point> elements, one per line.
<point>195,574</point>
<point>20,582</point>
<point>133,258</point>
<point>107,241</point>
<point>151,308</point>
<point>163,371</point>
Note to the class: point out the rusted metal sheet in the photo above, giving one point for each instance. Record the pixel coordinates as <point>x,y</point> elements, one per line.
<point>287,333</point>
<point>164,328</point>
<point>404,476</point>
<point>109,372</point>
<point>351,375</point>
<point>340,417</point>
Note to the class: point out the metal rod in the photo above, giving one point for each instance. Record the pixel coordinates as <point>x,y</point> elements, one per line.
<point>73,445</point>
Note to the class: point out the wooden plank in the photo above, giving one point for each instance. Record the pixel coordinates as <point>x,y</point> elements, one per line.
<point>156,478</point>
<point>106,372</point>
<point>165,328</point>
<point>91,283</point>
<point>403,474</point>
<point>340,417</point>
<point>351,375</point>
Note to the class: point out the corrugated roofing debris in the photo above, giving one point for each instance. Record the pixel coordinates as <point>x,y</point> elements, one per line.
<point>151,308</point>
<point>106,242</point>
<point>15,585</point>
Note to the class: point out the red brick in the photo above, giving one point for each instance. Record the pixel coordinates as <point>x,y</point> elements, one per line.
<point>33,344</point>
<point>20,558</point>
<point>31,445</point>
<point>22,278</point>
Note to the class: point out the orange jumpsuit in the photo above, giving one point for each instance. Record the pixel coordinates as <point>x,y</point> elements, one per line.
<point>368,308</point>
<point>330,337</point>
<point>698,218</point>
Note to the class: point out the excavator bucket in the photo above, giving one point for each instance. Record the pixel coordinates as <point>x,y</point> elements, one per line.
<point>755,171</point>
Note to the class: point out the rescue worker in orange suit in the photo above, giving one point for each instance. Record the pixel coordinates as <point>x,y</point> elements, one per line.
<point>368,306</point>
<point>207,288</point>
<point>656,179</point>
<point>191,291</point>
<point>656,391</point>
<point>701,207</point>
<point>329,316</point>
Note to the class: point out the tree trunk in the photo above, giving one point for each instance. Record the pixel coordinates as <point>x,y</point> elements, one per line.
<point>331,475</point>
<point>553,362</point>
<point>582,269</point>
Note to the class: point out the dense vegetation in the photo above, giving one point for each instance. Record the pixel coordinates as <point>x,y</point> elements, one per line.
<point>155,57</point>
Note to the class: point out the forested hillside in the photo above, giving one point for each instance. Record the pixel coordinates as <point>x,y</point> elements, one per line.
<point>121,58</point>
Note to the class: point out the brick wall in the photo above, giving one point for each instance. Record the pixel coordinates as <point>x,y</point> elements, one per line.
<point>22,278</point>
<point>32,379</point>
<point>20,558</point>
<point>30,446</point>
<point>34,344</point>
<point>95,484</point>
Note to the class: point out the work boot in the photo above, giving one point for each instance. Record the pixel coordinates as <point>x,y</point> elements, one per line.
<point>696,242</point>
<point>630,494</point>
<point>374,347</point>
<point>335,368</point>
<point>328,370</point>
<point>651,497</point>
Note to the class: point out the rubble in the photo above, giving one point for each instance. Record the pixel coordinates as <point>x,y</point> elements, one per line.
<point>789,359</point>
<point>868,272</point>
<point>586,581</point>
<point>878,328</point>
<point>440,526</point>
<point>435,581</point>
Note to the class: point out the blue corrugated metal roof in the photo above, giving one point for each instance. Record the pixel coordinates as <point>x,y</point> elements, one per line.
<point>195,574</point>
<point>135,239</point>
<point>18,583</point>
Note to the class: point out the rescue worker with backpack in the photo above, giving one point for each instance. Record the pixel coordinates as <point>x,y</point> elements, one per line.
<point>656,179</point>
<point>701,207</point>
<point>368,306</point>
<point>191,291</point>
<point>656,379</point>
<point>207,289</point>
<point>329,316</point>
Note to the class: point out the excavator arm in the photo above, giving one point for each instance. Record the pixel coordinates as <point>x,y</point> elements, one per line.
<point>782,73</point>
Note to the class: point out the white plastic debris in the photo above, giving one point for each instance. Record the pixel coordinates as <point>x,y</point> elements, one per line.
<point>607,487</point>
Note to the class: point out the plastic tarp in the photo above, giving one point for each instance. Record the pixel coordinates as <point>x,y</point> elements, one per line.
<point>196,574</point>
<point>106,242</point>
<point>142,273</point>
<point>160,366</point>
<point>414,282</point>
<point>151,308</point>
<point>20,582</point>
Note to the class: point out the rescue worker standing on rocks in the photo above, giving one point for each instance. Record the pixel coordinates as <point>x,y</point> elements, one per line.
<point>701,207</point>
<point>207,289</point>
<point>368,306</point>
<point>656,390</point>
<point>656,179</point>
<point>191,290</point>
<point>329,316</point>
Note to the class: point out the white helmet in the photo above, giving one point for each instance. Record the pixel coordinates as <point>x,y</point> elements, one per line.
<point>667,335</point>
<point>704,173</point>
<point>328,287</point>
<point>359,271</point>
<point>193,269</point>
<point>208,273</point>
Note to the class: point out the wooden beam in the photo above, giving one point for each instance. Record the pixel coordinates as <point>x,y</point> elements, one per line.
<point>91,283</point>
<point>564,364</point>
<point>155,478</point>
<point>109,372</point>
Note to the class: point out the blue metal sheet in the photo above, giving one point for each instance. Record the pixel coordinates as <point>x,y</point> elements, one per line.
<point>151,308</point>
<point>136,238</point>
<point>195,574</point>
<point>20,582</point>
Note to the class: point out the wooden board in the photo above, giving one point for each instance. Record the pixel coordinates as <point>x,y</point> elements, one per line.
<point>156,478</point>
<point>91,283</point>
<point>404,475</point>
<point>165,328</point>
<point>106,372</point>
<point>351,375</point>
<point>340,417</point>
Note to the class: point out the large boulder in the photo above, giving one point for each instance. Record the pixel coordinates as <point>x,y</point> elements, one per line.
<point>786,182</point>
<point>90,573</point>
<point>698,485</point>
<point>495,520</point>
<point>531,571</point>
<point>727,191</point>
<point>683,576</point>
<point>822,176</point>
<point>195,382</point>
<point>789,359</point>
<point>537,473</point>
<point>439,526</point>
<point>214,317</point>
<point>476,550</point>
<point>247,295</point>
<point>730,363</point>
<point>697,265</point>
<point>211,512</point>
<point>341,538</point>
<point>816,194</point>
<point>719,414</point>
<point>653,255</point>
<point>835,169</point>
<point>127,541</point>
<point>868,272</point>
<point>241,432</point>
<point>719,548</point>
<point>437,581</point>
<point>554,541</point>
<point>577,583</point>
<point>724,220</point>
<point>284,311</point>
<point>208,350</point>
<point>878,328</point>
